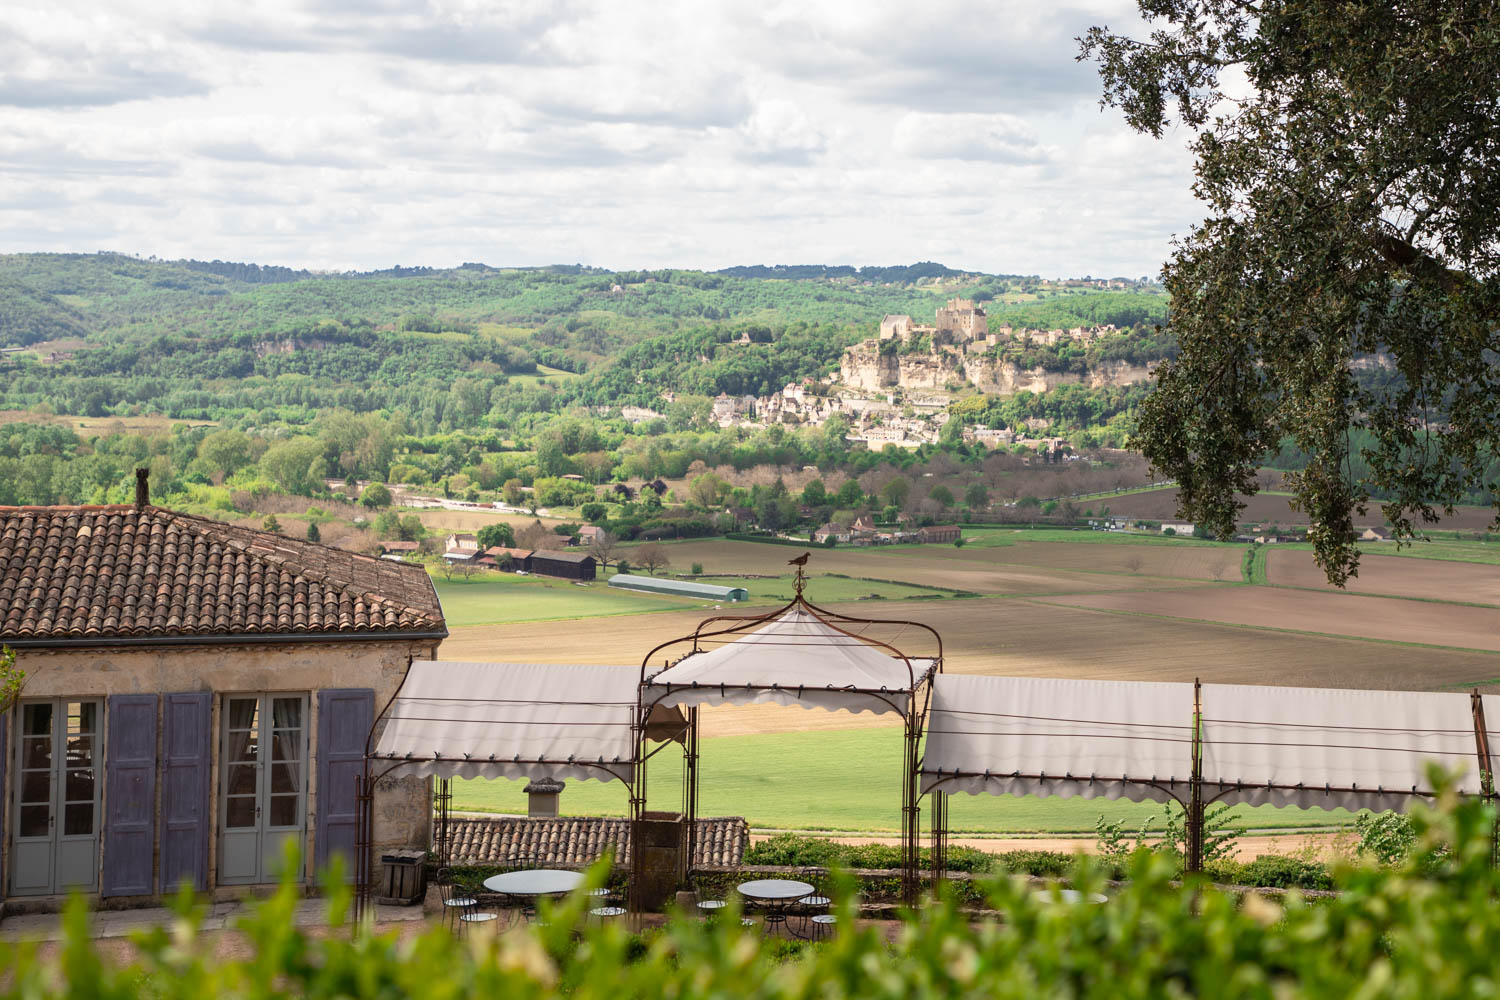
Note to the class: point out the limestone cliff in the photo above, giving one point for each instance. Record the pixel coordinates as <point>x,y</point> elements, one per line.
<point>866,367</point>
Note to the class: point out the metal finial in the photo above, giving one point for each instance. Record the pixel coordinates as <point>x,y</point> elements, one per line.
<point>801,563</point>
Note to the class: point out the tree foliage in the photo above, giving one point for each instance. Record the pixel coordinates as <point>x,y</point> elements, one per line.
<point>1347,276</point>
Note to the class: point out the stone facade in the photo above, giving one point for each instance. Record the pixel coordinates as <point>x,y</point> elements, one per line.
<point>402,811</point>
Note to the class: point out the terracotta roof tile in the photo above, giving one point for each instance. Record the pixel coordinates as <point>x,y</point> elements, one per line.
<point>117,572</point>
<point>577,841</point>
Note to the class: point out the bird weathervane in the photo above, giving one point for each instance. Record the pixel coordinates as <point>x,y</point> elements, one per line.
<point>800,562</point>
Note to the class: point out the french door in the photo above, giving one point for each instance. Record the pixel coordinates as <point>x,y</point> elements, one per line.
<point>263,782</point>
<point>56,828</point>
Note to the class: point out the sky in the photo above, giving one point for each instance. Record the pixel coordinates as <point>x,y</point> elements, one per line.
<point>340,134</point>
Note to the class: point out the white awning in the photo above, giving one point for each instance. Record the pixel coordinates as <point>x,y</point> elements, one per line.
<point>795,660</point>
<point>512,720</point>
<point>1261,745</point>
<point>1356,749</point>
<point>1048,736</point>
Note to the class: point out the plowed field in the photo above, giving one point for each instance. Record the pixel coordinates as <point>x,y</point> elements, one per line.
<point>1161,505</point>
<point>1344,614</point>
<point>1036,638</point>
<point>1398,576</point>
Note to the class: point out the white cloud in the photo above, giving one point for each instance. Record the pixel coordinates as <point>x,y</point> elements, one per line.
<point>361,133</point>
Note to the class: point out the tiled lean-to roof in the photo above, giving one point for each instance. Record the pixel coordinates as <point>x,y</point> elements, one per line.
<point>141,572</point>
<point>577,841</point>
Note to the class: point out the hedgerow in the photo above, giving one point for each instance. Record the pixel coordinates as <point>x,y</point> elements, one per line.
<point>1427,928</point>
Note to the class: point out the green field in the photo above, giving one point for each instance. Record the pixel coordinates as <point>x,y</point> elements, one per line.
<point>826,589</point>
<point>840,779</point>
<point>501,598</point>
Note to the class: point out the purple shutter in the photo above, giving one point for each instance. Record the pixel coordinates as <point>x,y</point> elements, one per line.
<point>345,716</point>
<point>4,756</point>
<point>186,749</point>
<point>130,796</point>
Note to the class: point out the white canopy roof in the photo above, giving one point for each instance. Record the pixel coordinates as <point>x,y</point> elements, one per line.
<point>1375,744</point>
<point>795,660</point>
<point>1283,746</point>
<point>1047,736</point>
<point>512,720</point>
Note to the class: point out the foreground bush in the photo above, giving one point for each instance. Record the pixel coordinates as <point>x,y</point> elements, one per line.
<point>1428,929</point>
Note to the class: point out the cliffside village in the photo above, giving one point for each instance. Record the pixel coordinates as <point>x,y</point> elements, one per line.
<point>892,392</point>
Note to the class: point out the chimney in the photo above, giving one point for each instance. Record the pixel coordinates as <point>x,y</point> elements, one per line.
<point>541,797</point>
<point>142,488</point>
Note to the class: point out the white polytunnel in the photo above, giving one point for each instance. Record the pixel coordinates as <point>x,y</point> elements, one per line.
<point>1322,747</point>
<point>512,720</point>
<point>795,660</point>
<point>1332,746</point>
<point>1048,736</point>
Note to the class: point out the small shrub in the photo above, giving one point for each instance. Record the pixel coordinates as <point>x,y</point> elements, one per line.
<point>697,569</point>
<point>1387,837</point>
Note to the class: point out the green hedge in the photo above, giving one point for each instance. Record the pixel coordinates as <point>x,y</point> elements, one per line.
<point>1427,928</point>
<point>793,850</point>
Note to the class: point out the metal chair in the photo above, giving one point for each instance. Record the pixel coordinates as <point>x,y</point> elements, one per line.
<point>816,903</point>
<point>457,900</point>
<point>707,907</point>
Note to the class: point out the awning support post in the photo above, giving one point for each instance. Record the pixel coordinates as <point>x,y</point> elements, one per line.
<point>690,790</point>
<point>939,847</point>
<point>1194,824</point>
<point>911,830</point>
<point>363,821</point>
<point>1486,771</point>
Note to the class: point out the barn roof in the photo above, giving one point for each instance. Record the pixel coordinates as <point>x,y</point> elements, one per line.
<point>102,574</point>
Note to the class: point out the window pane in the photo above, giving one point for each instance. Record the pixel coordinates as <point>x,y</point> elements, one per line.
<point>283,810</point>
<point>80,751</point>
<point>33,821</point>
<point>78,819</point>
<point>241,812</point>
<point>80,785</point>
<point>286,745</point>
<point>241,779</point>
<point>242,712</point>
<point>243,746</point>
<point>81,716</point>
<point>36,786</point>
<point>285,779</point>
<point>37,719</point>
<point>36,751</point>
<point>286,713</point>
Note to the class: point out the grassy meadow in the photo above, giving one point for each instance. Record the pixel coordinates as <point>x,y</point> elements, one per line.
<point>840,779</point>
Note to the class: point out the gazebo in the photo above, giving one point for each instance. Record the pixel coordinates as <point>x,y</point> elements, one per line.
<point>525,720</point>
<point>796,655</point>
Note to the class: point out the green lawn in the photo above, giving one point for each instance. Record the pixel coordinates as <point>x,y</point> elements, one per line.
<point>500,598</point>
<point>841,779</point>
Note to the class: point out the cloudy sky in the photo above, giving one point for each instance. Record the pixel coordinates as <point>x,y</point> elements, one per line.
<point>619,133</point>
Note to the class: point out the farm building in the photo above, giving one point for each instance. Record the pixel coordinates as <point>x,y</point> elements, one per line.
<point>568,565</point>
<point>678,588</point>
<point>938,533</point>
<point>502,557</point>
<point>168,659</point>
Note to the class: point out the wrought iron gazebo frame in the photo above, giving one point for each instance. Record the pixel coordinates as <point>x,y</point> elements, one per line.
<point>719,629</point>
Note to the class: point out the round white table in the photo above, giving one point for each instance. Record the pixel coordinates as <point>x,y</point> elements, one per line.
<point>532,883</point>
<point>1071,896</point>
<point>775,894</point>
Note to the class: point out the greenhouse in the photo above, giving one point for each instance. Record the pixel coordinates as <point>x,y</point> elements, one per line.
<point>678,588</point>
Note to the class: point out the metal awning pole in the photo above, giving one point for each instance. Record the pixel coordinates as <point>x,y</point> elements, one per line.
<point>1195,800</point>
<point>1486,771</point>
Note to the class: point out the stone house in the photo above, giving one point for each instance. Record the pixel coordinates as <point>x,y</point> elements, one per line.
<point>197,702</point>
<point>461,548</point>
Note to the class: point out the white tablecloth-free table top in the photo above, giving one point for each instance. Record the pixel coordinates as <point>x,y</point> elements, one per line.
<point>775,889</point>
<point>534,882</point>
